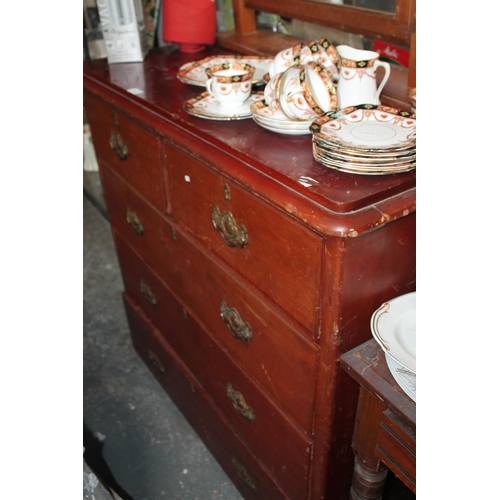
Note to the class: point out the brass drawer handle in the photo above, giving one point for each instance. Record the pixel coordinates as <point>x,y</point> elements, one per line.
<point>243,474</point>
<point>135,222</point>
<point>239,403</point>
<point>156,360</point>
<point>118,145</point>
<point>148,294</point>
<point>239,329</point>
<point>233,235</point>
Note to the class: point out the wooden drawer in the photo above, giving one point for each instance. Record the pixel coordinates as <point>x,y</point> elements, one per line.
<point>131,150</point>
<point>277,444</point>
<point>273,251</point>
<point>143,226</point>
<point>283,362</point>
<point>240,465</point>
<point>396,447</point>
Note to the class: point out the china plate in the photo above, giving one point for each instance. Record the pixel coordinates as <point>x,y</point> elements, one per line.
<point>206,106</point>
<point>360,155</point>
<point>404,377</point>
<point>194,72</point>
<point>393,326</point>
<point>279,129</point>
<point>366,161</point>
<point>368,127</point>
<point>274,116</point>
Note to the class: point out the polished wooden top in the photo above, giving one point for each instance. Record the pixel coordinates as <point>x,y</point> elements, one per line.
<point>281,167</point>
<point>367,365</point>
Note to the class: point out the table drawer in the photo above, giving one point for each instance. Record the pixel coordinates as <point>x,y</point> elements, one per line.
<point>131,150</point>
<point>276,253</point>
<point>280,361</point>
<point>396,447</point>
<point>241,466</point>
<point>283,362</point>
<point>275,442</point>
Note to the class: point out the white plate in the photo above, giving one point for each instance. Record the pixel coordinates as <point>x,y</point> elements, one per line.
<point>194,72</point>
<point>206,106</point>
<point>406,379</point>
<point>351,168</point>
<point>285,130</point>
<point>393,326</point>
<point>368,126</point>
<point>276,117</point>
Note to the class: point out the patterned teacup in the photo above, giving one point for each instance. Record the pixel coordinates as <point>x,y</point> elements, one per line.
<point>230,83</point>
<point>321,86</point>
<point>295,97</point>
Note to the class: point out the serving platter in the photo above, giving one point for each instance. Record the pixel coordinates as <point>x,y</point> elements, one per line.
<point>194,72</point>
<point>393,326</point>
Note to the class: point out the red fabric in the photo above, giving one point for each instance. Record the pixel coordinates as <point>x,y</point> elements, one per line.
<point>190,23</point>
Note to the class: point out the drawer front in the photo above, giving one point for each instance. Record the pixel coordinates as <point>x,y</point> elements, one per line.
<point>283,451</point>
<point>279,359</point>
<point>396,447</point>
<point>279,255</point>
<point>241,466</point>
<point>132,151</point>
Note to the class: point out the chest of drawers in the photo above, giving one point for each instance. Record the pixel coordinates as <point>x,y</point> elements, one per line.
<point>249,269</point>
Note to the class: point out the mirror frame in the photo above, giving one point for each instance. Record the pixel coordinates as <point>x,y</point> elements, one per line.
<point>396,27</point>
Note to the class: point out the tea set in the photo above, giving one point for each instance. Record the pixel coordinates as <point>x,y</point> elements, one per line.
<point>312,88</point>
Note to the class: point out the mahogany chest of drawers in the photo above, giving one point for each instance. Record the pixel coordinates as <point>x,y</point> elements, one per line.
<point>248,270</point>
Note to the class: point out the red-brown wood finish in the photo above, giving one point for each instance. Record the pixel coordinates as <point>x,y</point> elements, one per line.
<point>385,426</point>
<point>324,250</point>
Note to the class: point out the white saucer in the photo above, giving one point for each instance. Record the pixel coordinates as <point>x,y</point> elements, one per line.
<point>206,106</point>
<point>280,129</point>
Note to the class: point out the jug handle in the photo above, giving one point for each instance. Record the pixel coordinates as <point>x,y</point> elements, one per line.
<point>387,69</point>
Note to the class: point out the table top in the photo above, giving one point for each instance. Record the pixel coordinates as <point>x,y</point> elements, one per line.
<point>367,365</point>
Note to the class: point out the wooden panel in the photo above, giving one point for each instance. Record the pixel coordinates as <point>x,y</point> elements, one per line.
<point>281,257</point>
<point>140,150</point>
<point>281,361</point>
<point>396,27</point>
<point>276,443</point>
<point>238,462</point>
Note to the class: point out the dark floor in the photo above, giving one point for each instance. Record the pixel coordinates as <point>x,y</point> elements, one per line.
<point>144,442</point>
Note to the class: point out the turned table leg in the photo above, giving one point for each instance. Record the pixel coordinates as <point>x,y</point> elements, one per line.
<point>369,472</point>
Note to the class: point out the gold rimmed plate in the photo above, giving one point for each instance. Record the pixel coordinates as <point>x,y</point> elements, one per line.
<point>368,128</point>
<point>206,106</point>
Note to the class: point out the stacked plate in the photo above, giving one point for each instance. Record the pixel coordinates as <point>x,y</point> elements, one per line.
<point>393,326</point>
<point>366,140</point>
<point>272,118</point>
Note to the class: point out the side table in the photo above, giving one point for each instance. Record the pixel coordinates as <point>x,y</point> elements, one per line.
<point>385,427</point>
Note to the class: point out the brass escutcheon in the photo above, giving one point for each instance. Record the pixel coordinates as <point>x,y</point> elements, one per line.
<point>156,360</point>
<point>243,474</point>
<point>118,145</point>
<point>240,404</point>
<point>135,222</point>
<point>239,329</point>
<point>232,234</point>
<point>148,294</point>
